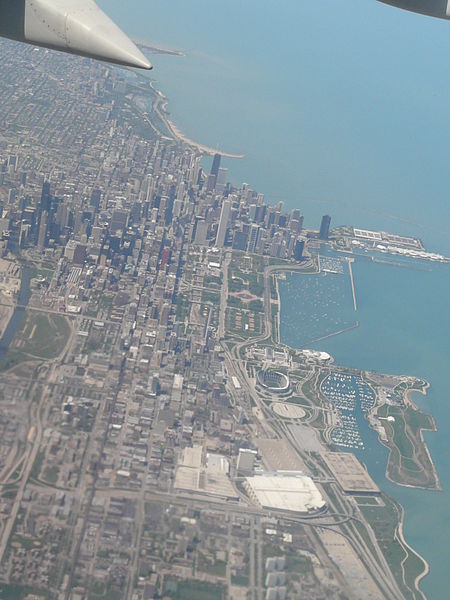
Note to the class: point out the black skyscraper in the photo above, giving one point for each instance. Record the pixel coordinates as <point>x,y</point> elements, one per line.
<point>216,165</point>
<point>46,196</point>
<point>95,198</point>
<point>298,250</point>
<point>325,227</point>
<point>44,206</point>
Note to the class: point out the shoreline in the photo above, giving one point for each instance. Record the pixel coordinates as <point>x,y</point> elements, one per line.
<point>181,137</point>
<point>158,49</point>
<point>160,107</point>
<point>410,551</point>
<point>408,393</point>
<point>411,404</point>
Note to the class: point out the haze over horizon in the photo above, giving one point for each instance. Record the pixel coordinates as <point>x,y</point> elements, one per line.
<point>200,396</point>
<point>343,110</point>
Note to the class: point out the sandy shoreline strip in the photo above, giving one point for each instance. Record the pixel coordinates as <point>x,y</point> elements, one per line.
<point>160,107</point>
<point>407,547</point>
<point>410,402</point>
<point>200,147</point>
<point>158,48</point>
<point>423,390</point>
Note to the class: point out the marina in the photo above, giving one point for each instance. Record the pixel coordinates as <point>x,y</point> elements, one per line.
<point>331,296</point>
<point>347,394</point>
<point>392,339</point>
<point>331,264</point>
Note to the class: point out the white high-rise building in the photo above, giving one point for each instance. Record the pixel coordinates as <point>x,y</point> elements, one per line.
<point>221,181</point>
<point>253,238</point>
<point>223,224</point>
<point>201,232</point>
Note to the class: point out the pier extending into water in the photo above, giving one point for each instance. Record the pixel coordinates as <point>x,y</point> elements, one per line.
<point>350,261</point>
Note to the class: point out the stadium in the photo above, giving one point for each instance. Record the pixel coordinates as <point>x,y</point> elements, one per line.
<point>274,382</point>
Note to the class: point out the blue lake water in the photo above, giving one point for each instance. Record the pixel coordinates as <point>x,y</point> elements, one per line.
<point>340,108</point>
<point>331,298</point>
<point>403,329</point>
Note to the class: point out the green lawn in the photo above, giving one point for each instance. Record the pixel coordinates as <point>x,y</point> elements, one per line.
<point>384,520</point>
<point>41,336</point>
<point>366,501</point>
<point>193,590</point>
<point>240,580</point>
<point>51,474</point>
<point>19,592</point>
<point>408,461</point>
<point>298,565</point>
<point>401,440</point>
<point>12,359</point>
<point>46,274</point>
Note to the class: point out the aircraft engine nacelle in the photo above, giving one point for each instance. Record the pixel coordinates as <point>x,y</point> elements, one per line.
<point>75,26</point>
<point>433,8</point>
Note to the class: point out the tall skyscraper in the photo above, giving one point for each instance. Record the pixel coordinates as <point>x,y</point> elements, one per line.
<point>211,182</point>
<point>252,212</point>
<point>253,238</point>
<point>325,227</point>
<point>119,220</point>
<point>12,160</point>
<point>42,237</point>
<point>46,197</point>
<point>221,180</point>
<point>212,177</point>
<point>298,249</point>
<point>177,207</point>
<point>23,234</point>
<point>201,231</point>
<point>216,165</point>
<point>240,240</point>
<point>95,198</point>
<point>223,224</point>
<point>44,206</point>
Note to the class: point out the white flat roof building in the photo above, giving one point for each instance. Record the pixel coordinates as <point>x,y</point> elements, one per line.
<point>216,463</point>
<point>295,493</point>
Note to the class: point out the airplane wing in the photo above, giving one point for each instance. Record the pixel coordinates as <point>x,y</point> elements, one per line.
<point>74,26</point>
<point>433,8</point>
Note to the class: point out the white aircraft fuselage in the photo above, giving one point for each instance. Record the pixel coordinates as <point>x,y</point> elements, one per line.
<point>74,26</point>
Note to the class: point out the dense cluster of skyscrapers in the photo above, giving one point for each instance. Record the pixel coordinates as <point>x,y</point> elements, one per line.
<point>222,216</point>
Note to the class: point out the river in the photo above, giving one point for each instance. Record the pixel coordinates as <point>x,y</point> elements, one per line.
<point>19,313</point>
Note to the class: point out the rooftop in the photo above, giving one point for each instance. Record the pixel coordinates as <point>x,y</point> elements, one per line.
<point>296,493</point>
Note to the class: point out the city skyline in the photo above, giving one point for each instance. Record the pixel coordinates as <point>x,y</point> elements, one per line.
<point>159,438</point>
